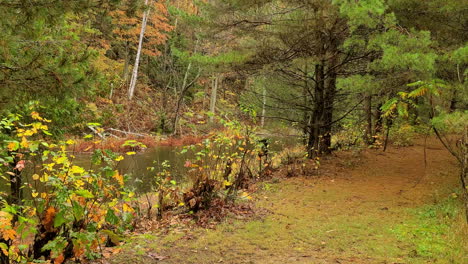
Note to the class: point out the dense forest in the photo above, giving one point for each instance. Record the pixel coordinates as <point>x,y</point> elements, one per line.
<point>123,118</point>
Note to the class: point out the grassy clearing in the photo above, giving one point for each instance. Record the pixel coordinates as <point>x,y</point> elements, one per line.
<point>426,234</point>
<point>371,213</point>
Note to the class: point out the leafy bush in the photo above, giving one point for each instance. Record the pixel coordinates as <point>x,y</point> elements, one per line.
<point>349,136</point>
<point>288,156</point>
<point>451,123</point>
<point>403,135</point>
<point>56,210</point>
<point>223,163</point>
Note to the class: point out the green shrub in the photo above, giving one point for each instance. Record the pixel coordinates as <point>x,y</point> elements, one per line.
<point>403,135</point>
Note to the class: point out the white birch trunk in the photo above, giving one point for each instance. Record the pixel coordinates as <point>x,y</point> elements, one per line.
<point>133,81</point>
<point>262,120</point>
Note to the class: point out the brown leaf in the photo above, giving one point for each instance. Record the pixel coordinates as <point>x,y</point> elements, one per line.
<point>49,217</point>
<point>20,165</point>
<point>156,256</point>
<point>59,259</point>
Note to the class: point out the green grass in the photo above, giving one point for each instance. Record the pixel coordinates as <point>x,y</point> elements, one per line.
<point>315,224</point>
<point>436,232</point>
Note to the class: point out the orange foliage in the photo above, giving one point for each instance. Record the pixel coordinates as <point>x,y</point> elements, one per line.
<point>184,141</point>
<point>114,144</point>
<point>49,217</point>
<point>128,27</point>
<point>59,259</point>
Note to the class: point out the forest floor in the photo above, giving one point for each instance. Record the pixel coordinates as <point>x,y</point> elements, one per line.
<point>362,207</point>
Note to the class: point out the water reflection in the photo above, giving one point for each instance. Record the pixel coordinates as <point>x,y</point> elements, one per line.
<point>137,165</point>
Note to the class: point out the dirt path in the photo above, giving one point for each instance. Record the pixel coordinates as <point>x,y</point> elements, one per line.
<point>362,208</point>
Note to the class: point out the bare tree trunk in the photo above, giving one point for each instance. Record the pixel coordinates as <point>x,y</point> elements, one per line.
<point>214,91</point>
<point>16,193</point>
<point>464,168</point>
<point>133,81</point>
<point>378,120</point>
<point>181,98</point>
<point>264,101</point>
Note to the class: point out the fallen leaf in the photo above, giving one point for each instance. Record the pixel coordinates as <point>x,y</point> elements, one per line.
<point>156,256</point>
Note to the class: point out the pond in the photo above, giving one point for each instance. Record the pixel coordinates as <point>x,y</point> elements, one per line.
<point>137,165</point>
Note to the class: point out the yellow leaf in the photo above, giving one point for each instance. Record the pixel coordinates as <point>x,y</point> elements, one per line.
<point>127,208</point>
<point>76,170</point>
<point>34,194</point>
<point>35,177</point>
<point>226,183</point>
<point>79,183</point>
<point>245,195</point>
<point>118,177</point>
<point>12,146</point>
<point>70,142</point>
<point>119,158</point>
<point>24,143</point>
<point>43,195</point>
<point>44,177</point>
<point>35,115</point>
<point>131,153</point>
<point>61,160</point>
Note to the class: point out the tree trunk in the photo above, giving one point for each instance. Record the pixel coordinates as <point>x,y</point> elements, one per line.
<point>306,115</point>
<point>378,119</point>
<point>264,98</point>
<point>133,81</point>
<point>330,93</point>
<point>368,136</point>
<point>214,91</point>
<point>313,143</point>
<point>127,64</point>
<point>181,99</point>
<point>16,193</point>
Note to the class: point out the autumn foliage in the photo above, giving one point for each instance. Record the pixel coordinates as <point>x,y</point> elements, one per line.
<point>127,26</point>
<point>64,211</point>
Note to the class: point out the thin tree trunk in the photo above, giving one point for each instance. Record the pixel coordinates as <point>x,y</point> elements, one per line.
<point>378,120</point>
<point>127,64</point>
<point>368,136</point>
<point>133,81</point>
<point>16,193</point>
<point>464,169</point>
<point>307,116</point>
<point>387,135</point>
<point>214,91</point>
<point>264,101</point>
<point>181,98</point>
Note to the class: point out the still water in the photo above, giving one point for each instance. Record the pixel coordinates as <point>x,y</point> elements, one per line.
<point>136,166</point>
